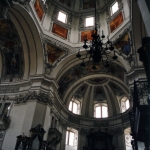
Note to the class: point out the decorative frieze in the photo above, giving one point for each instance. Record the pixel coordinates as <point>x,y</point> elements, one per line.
<point>9,89</point>
<point>41,97</point>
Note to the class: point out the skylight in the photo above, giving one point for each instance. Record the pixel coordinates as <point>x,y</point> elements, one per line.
<point>62,17</point>
<point>89,21</point>
<point>114,8</point>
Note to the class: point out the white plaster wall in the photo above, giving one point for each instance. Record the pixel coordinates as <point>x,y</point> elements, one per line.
<point>126,9</point>
<point>17,115</point>
<point>47,122</point>
<point>28,119</point>
<point>74,38</point>
<point>39,115</point>
<point>47,19</point>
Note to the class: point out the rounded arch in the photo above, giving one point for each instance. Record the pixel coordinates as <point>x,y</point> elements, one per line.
<point>30,40</point>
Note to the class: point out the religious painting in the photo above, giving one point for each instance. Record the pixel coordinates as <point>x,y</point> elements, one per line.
<point>66,2</point>
<point>12,63</point>
<point>59,30</point>
<point>5,30</point>
<point>87,35</point>
<point>116,22</point>
<point>39,9</point>
<point>88,4</point>
<point>53,53</point>
<point>12,55</point>
<point>9,43</point>
<point>123,45</point>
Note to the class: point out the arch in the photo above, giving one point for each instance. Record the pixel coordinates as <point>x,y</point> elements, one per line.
<point>30,40</point>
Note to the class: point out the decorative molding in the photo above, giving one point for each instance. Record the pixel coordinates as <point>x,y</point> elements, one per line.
<point>41,97</point>
<point>24,3</point>
<point>9,89</point>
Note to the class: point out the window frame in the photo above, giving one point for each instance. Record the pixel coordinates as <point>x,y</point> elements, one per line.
<point>93,21</point>
<point>75,100</point>
<point>60,11</point>
<point>101,109</point>
<point>5,108</point>
<point>75,140</point>
<point>123,102</point>
<point>111,11</point>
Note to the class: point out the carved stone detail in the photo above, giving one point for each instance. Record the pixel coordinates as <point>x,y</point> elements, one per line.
<point>41,97</point>
<point>10,89</point>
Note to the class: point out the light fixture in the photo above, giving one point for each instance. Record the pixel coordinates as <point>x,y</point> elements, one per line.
<point>97,50</point>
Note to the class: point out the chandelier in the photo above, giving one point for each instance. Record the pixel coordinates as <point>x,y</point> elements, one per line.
<point>97,50</point>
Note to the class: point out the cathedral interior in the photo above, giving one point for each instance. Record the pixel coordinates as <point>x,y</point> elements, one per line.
<point>74,75</point>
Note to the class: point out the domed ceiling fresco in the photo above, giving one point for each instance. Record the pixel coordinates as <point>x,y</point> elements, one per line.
<point>78,72</point>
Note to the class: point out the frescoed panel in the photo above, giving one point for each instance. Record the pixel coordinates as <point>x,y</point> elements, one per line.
<point>5,30</point>
<point>88,4</point>
<point>87,35</point>
<point>12,63</point>
<point>116,22</point>
<point>66,2</point>
<point>39,9</point>
<point>123,45</point>
<point>99,94</point>
<point>12,54</point>
<point>59,30</point>
<point>53,53</point>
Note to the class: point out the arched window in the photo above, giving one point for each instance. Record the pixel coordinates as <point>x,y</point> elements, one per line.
<point>71,139</point>
<point>125,104</point>
<point>74,106</point>
<point>100,110</point>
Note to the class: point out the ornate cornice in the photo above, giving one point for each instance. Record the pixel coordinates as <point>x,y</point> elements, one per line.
<point>40,97</point>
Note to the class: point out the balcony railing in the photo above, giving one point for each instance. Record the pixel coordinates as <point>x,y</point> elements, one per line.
<point>142,91</point>
<point>54,138</point>
<point>4,122</point>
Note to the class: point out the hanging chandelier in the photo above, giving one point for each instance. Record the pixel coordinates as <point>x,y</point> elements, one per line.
<point>97,50</point>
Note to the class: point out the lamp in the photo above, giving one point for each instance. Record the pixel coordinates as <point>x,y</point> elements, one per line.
<point>97,50</point>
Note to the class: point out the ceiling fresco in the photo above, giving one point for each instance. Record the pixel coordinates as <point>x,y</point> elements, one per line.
<point>12,53</point>
<point>81,91</point>
<point>78,72</point>
<point>99,94</point>
<point>116,89</point>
